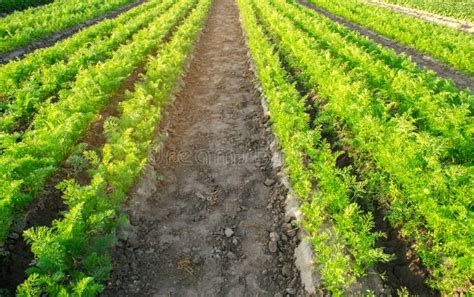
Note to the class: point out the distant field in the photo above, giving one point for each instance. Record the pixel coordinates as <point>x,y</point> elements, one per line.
<point>457,9</point>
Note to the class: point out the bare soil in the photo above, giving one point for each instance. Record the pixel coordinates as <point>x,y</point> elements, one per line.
<point>427,16</point>
<point>50,40</point>
<point>460,79</point>
<point>207,218</point>
<point>406,270</point>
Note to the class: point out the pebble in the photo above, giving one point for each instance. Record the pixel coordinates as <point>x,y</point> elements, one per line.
<point>269,182</point>
<point>197,260</point>
<point>291,291</point>
<point>286,271</point>
<point>228,232</point>
<point>274,236</point>
<point>231,256</point>
<point>293,282</point>
<point>272,246</point>
<point>291,232</point>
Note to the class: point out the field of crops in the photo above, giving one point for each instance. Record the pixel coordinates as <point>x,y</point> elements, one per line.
<point>377,150</point>
<point>9,6</point>
<point>452,8</point>
<point>451,46</point>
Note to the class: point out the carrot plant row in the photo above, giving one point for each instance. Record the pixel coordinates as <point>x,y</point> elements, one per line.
<point>408,160</point>
<point>451,46</point>
<point>441,111</point>
<point>16,72</point>
<point>26,165</point>
<point>340,231</point>
<point>19,28</point>
<point>461,9</point>
<point>22,97</point>
<point>71,256</point>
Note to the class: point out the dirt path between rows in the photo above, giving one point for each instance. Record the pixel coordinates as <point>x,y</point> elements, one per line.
<point>460,79</point>
<point>51,39</point>
<point>427,16</point>
<point>207,218</point>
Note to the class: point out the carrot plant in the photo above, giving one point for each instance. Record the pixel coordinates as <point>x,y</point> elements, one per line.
<point>21,27</point>
<point>20,103</point>
<point>341,233</point>
<point>16,72</point>
<point>431,202</point>
<point>26,165</point>
<point>445,113</point>
<point>451,46</point>
<point>71,256</point>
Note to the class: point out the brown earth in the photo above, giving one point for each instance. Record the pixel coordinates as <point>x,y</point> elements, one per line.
<point>460,79</point>
<point>212,223</point>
